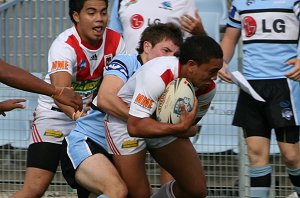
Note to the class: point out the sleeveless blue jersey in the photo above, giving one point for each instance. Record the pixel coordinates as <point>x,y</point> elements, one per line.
<point>91,125</point>
<point>270,35</point>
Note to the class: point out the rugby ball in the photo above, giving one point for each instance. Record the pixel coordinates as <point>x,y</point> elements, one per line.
<point>177,91</point>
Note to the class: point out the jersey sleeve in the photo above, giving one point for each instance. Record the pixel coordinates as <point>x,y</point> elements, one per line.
<point>148,90</point>
<point>120,66</point>
<point>114,21</point>
<point>234,19</point>
<point>61,57</point>
<point>204,100</point>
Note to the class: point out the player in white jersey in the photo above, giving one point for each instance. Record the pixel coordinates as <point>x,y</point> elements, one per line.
<point>19,78</point>
<point>131,17</point>
<point>76,59</point>
<point>271,64</point>
<point>84,158</point>
<point>200,58</point>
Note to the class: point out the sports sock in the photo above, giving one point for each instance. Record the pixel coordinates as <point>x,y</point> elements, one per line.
<point>294,175</point>
<point>166,191</point>
<point>260,178</point>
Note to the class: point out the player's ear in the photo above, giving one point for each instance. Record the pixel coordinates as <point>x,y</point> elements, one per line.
<point>147,46</point>
<point>76,17</point>
<point>191,65</point>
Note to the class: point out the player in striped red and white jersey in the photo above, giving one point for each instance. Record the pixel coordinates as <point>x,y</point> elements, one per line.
<point>270,34</point>
<point>199,60</point>
<point>76,59</point>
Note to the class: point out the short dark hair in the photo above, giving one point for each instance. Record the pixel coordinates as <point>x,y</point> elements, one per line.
<point>76,6</point>
<point>157,32</point>
<point>200,48</point>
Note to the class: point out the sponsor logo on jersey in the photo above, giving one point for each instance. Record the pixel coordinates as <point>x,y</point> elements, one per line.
<point>53,133</point>
<point>130,143</point>
<point>86,87</point>
<point>136,21</point>
<point>166,5</point>
<point>82,64</point>
<point>130,3</point>
<point>94,57</point>
<point>107,58</point>
<point>117,66</point>
<point>250,26</point>
<point>59,65</point>
<point>143,101</point>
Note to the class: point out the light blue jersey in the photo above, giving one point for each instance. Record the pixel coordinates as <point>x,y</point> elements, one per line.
<point>91,125</point>
<point>270,34</point>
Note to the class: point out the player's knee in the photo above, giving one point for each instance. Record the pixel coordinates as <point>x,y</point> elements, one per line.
<point>291,159</point>
<point>118,189</point>
<point>31,192</point>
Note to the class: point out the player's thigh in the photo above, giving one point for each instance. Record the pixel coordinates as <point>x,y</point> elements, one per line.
<point>180,159</point>
<point>132,170</point>
<point>97,173</point>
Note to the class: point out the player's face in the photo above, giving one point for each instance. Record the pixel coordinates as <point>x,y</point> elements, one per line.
<point>163,48</point>
<point>92,21</point>
<point>202,75</point>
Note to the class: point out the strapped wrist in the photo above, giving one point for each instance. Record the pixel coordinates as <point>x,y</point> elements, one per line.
<point>57,92</point>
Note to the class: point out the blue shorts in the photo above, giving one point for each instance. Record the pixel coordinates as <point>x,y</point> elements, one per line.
<point>75,149</point>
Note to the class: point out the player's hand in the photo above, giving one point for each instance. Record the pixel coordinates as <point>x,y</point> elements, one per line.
<point>294,74</point>
<point>224,74</point>
<point>67,96</point>
<point>193,25</point>
<point>187,118</point>
<point>11,104</point>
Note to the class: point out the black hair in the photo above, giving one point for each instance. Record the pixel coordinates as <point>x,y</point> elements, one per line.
<point>157,32</point>
<point>200,48</point>
<point>76,6</point>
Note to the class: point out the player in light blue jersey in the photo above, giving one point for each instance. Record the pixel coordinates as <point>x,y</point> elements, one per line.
<point>85,162</point>
<point>271,63</point>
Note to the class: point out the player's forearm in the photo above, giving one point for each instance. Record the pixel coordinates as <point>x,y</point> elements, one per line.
<point>115,107</point>
<point>21,79</point>
<point>150,128</point>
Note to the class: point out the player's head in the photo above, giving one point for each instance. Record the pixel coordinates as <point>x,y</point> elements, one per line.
<point>90,18</point>
<point>161,39</point>
<point>202,58</point>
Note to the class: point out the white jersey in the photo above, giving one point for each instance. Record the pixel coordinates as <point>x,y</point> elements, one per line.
<point>142,92</point>
<point>144,88</point>
<point>85,63</point>
<point>131,17</point>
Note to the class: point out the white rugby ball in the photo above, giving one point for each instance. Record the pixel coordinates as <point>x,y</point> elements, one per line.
<point>177,91</point>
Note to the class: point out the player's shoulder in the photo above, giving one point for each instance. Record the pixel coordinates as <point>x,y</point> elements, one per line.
<point>65,40</point>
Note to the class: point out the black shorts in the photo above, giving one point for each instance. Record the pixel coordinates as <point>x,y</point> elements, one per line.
<point>259,118</point>
<point>66,164</point>
<point>44,155</point>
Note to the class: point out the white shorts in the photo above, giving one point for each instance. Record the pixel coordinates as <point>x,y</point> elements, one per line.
<point>50,126</point>
<point>121,143</point>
